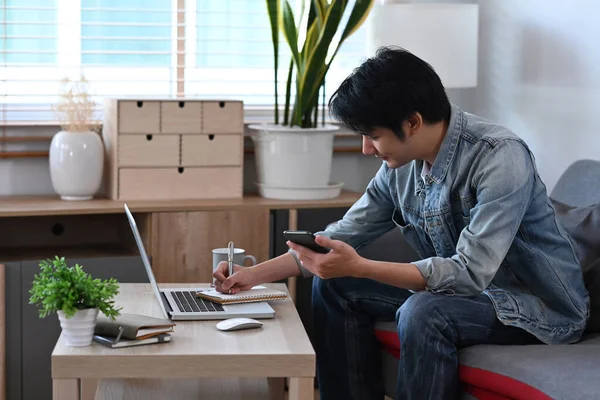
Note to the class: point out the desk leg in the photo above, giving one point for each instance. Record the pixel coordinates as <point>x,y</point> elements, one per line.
<point>65,389</point>
<point>302,389</point>
<point>292,225</point>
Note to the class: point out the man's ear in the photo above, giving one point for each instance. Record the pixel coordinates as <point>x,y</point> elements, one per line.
<point>413,124</point>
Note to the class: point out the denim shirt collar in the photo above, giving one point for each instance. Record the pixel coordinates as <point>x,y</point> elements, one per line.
<point>442,162</point>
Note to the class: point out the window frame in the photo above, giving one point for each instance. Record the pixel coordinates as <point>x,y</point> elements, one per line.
<point>35,109</point>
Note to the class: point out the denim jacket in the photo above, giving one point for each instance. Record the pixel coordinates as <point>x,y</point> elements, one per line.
<point>481,222</point>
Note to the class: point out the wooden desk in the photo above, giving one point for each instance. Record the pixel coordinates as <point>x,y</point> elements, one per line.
<point>279,349</point>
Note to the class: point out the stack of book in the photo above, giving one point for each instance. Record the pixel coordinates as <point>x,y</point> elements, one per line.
<point>128,330</point>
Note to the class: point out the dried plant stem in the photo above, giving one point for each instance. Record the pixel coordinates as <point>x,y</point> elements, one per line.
<point>75,108</point>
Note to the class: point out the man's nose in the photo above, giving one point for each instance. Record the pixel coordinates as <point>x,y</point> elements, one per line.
<point>367,146</point>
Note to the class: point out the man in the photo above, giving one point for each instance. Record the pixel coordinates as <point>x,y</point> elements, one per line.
<point>494,267</point>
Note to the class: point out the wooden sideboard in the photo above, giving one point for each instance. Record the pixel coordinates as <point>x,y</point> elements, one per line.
<point>178,234</point>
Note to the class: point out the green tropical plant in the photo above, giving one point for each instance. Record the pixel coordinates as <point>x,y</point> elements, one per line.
<point>60,287</point>
<point>311,59</point>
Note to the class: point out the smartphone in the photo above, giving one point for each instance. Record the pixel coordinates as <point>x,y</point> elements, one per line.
<point>306,239</point>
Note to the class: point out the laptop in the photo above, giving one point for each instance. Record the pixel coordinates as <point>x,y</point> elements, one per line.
<point>183,304</point>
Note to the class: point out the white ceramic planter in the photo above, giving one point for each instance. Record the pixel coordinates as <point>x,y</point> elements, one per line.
<point>293,162</point>
<point>79,329</point>
<point>76,164</point>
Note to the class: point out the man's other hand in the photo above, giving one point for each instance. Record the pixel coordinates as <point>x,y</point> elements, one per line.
<point>342,259</point>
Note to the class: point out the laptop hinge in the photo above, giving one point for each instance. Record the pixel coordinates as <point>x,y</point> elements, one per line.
<point>165,301</point>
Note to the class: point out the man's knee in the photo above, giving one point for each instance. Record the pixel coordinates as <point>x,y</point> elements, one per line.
<point>418,313</point>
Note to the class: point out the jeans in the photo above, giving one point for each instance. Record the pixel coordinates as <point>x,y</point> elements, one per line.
<point>431,327</point>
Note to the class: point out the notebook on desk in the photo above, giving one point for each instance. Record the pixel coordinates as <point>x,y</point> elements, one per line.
<point>119,342</point>
<point>183,304</point>
<point>257,293</point>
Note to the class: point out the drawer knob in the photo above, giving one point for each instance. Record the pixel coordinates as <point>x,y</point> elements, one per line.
<point>58,229</point>
<point>140,104</point>
<point>211,137</point>
<point>181,104</point>
<point>148,137</point>
<point>222,104</point>
<point>180,170</point>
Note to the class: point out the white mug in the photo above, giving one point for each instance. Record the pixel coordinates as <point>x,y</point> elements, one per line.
<point>239,257</point>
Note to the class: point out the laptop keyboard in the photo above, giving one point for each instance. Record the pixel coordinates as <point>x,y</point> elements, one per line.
<point>189,302</point>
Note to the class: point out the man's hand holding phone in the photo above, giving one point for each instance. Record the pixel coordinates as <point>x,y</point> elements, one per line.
<point>333,258</point>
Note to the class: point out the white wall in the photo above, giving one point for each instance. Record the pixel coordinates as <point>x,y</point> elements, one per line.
<point>539,75</point>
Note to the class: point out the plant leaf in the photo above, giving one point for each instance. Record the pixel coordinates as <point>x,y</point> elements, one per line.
<point>314,73</point>
<point>312,34</point>
<point>288,88</point>
<point>290,32</point>
<point>320,8</point>
<point>273,11</point>
<point>359,14</point>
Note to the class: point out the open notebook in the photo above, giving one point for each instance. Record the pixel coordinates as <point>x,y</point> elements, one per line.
<point>257,293</point>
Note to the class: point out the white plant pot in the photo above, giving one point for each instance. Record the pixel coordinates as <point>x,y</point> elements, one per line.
<point>79,329</point>
<point>293,162</point>
<point>76,164</point>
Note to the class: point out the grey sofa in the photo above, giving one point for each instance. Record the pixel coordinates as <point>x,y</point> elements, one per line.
<point>537,371</point>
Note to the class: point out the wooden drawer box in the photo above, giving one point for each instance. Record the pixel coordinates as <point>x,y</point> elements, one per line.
<point>181,116</point>
<point>173,149</point>
<point>207,150</point>
<point>180,183</point>
<point>222,117</point>
<point>139,117</point>
<point>148,150</point>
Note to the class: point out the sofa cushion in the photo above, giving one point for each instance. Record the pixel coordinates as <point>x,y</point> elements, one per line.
<point>476,393</point>
<point>386,333</point>
<point>583,225</point>
<point>563,371</point>
<point>527,372</point>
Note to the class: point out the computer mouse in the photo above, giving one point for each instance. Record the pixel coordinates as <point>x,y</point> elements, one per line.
<point>234,324</point>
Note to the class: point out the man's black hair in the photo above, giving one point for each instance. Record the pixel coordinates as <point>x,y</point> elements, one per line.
<point>386,90</point>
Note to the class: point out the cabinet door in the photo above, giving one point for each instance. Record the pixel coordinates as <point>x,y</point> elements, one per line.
<point>39,335</point>
<point>182,242</point>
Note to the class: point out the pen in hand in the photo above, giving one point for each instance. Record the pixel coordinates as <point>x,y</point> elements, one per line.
<point>230,259</point>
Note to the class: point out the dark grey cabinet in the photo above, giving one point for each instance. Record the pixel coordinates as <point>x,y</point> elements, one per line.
<point>12,336</point>
<point>30,339</point>
<point>313,220</point>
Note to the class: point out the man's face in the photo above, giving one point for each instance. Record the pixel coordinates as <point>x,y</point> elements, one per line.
<point>384,144</point>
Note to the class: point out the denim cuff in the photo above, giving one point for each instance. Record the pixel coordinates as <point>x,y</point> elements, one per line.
<point>435,282</point>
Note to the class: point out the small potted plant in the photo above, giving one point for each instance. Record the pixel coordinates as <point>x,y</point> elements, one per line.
<point>76,152</point>
<point>75,296</point>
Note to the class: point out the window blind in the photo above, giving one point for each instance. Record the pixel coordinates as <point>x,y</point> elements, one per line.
<point>144,48</point>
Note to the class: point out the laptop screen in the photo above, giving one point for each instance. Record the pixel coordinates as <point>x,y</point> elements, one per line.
<point>146,261</point>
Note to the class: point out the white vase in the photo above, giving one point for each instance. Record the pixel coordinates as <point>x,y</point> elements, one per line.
<point>79,329</point>
<point>295,162</point>
<point>76,164</point>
